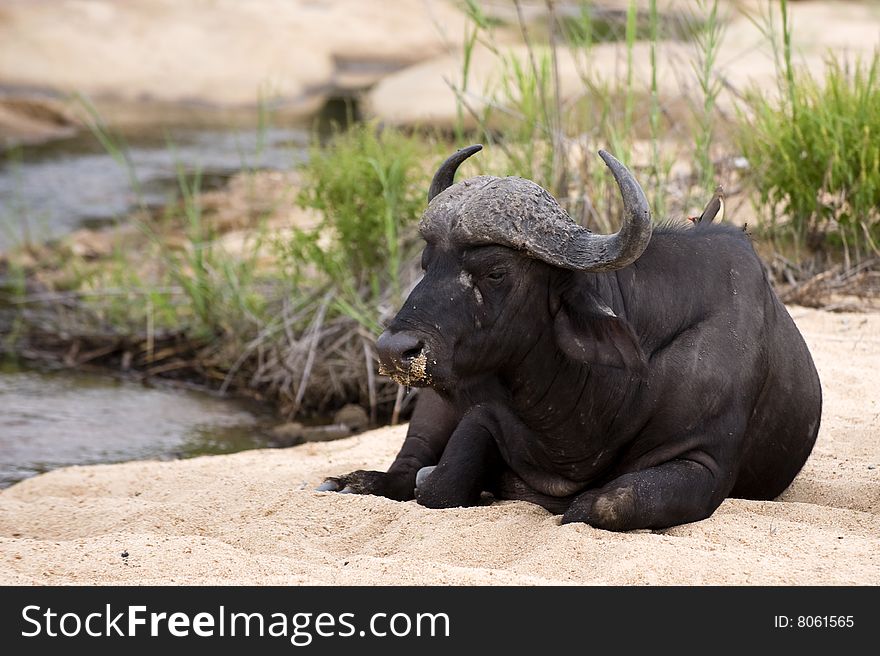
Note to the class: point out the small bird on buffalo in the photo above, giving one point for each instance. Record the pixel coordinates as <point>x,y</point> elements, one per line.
<point>715,208</point>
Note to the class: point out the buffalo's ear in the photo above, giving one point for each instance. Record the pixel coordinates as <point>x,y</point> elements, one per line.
<point>588,331</point>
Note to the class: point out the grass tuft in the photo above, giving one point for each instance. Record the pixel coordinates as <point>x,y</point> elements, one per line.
<point>814,154</point>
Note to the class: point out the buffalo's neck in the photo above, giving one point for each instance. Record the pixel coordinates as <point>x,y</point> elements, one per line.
<point>571,406</point>
<point>547,386</point>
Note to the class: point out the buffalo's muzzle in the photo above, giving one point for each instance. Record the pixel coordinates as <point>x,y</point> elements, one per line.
<point>397,350</point>
<point>401,355</point>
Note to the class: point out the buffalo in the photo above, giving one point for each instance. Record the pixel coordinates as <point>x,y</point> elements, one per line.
<point>629,381</point>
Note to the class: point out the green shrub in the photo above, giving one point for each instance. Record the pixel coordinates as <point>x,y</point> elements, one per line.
<point>815,155</point>
<point>536,131</point>
<point>369,188</point>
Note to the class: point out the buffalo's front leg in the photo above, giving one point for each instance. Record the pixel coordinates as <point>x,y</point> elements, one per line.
<point>676,492</point>
<point>432,423</point>
<point>469,464</point>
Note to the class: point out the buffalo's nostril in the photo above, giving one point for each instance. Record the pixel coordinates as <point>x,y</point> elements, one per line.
<point>398,348</point>
<point>412,353</point>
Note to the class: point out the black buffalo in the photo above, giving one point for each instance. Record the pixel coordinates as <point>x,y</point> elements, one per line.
<point>628,381</point>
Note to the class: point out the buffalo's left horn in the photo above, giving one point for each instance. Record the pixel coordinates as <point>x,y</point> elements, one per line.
<point>445,175</point>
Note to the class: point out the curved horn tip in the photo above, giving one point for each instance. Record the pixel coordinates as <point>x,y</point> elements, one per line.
<point>609,159</point>
<point>629,186</point>
<point>635,232</point>
<point>612,162</point>
<point>445,175</point>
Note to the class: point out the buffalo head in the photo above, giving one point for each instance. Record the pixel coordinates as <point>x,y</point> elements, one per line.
<point>500,266</point>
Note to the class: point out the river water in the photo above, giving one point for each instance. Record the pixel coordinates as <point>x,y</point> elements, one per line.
<point>52,189</point>
<point>53,420</point>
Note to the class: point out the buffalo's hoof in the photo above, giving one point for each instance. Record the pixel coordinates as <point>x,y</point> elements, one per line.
<point>422,475</point>
<point>437,490</point>
<point>359,482</point>
<point>334,485</point>
<point>370,482</point>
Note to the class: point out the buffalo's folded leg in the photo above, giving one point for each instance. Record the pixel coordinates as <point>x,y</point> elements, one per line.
<point>358,482</point>
<point>471,460</point>
<point>511,487</point>
<point>432,423</point>
<point>675,492</point>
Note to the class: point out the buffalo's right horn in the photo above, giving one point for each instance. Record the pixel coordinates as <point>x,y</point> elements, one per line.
<point>445,175</point>
<point>625,246</point>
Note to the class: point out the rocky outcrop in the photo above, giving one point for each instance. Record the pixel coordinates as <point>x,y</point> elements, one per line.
<point>140,59</point>
<point>144,61</point>
<point>423,95</point>
<point>26,119</point>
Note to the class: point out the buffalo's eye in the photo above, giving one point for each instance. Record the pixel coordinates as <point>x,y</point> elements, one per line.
<point>495,276</point>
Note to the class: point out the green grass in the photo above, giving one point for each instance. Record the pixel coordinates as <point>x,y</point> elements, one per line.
<point>291,331</point>
<point>368,186</point>
<point>708,42</point>
<point>551,139</point>
<point>12,291</point>
<point>192,287</point>
<point>814,153</point>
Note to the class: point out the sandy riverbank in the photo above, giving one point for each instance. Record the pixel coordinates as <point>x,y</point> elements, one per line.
<point>252,518</point>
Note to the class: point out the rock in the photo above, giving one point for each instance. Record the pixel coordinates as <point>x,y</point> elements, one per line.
<point>350,419</point>
<point>252,198</point>
<point>325,433</point>
<point>252,202</point>
<point>91,244</point>
<point>420,96</point>
<point>142,60</point>
<point>287,434</point>
<point>28,120</point>
<point>353,416</point>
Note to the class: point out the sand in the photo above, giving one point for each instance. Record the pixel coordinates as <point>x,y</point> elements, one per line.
<point>252,518</point>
